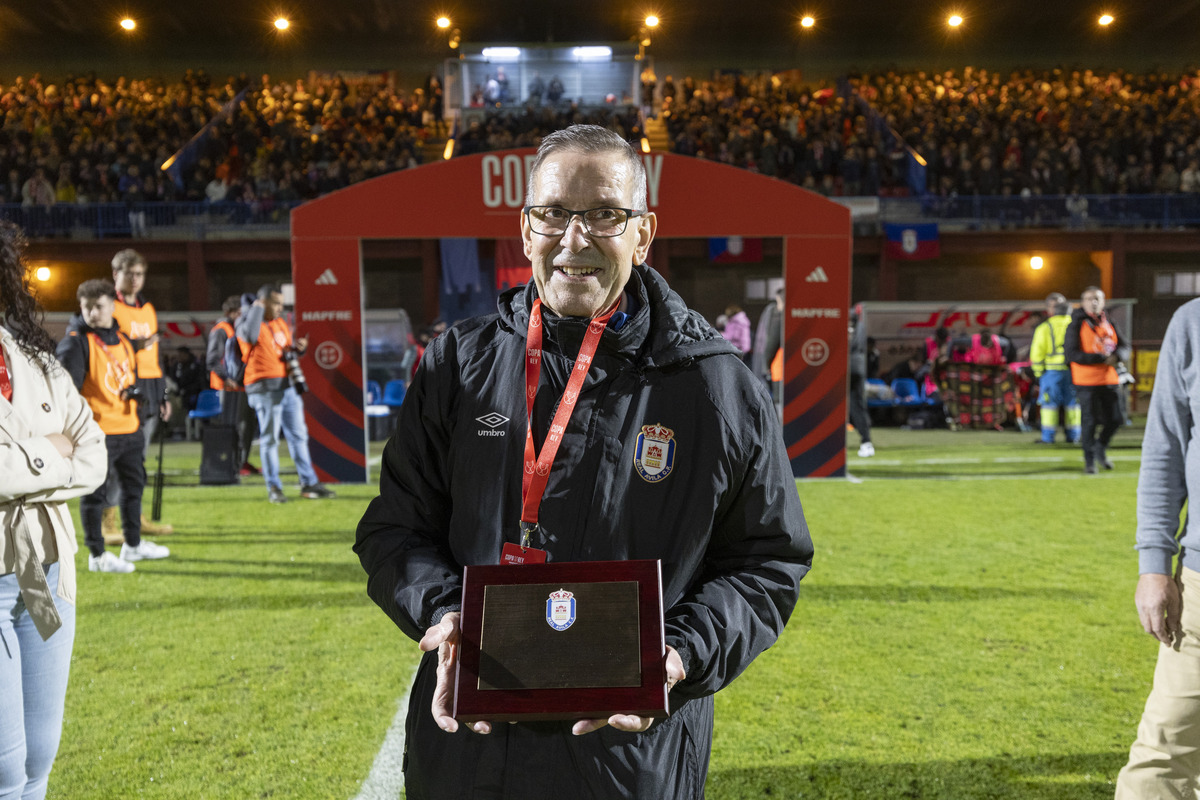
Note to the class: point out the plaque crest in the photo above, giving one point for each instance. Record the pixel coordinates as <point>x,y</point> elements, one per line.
<point>560,610</point>
<point>654,456</point>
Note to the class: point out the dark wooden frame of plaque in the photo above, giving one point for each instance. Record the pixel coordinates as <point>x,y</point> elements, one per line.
<point>503,705</point>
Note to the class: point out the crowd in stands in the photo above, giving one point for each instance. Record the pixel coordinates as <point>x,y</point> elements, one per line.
<point>87,140</point>
<point>1030,132</point>
<point>1048,132</point>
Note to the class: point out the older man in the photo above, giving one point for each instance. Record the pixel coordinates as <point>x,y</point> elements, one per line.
<point>724,517</point>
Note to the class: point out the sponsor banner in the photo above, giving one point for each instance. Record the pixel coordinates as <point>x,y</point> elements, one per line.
<point>900,329</point>
<point>816,353</point>
<point>326,274</point>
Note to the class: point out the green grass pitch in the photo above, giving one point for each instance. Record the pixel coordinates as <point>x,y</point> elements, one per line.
<point>967,631</point>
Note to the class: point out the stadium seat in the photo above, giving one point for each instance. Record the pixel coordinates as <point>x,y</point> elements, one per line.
<point>907,392</point>
<point>208,406</point>
<point>393,394</point>
<point>878,394</point>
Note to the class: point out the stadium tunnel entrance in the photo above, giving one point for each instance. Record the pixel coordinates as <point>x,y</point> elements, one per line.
<point>481,196</point>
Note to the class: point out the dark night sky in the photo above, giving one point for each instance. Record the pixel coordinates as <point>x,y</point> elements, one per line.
<point>850,30</point>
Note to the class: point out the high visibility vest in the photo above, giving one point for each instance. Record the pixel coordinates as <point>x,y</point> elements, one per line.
<point>266,357</point>
<point>214,380</point>
<point>1099,338</point>
<point>111,368</point>
<point>1047,353</point>
<point>140,322</point>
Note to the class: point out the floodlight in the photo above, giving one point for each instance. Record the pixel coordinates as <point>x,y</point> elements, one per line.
<point>1105,19</point>
<point>652,21</point>
<point>955,20</point>
<point>43,274</point>
<point>1036,262</point>
<point>502,53</point>
<point>592,53</point>
<point>128,24</point>
<point>282,23</point>
<point>443,22</point>
<point>807,21</point>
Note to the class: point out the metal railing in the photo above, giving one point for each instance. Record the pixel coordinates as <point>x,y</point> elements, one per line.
<point>1069,212</point>
<point>270,219</point>
<point>160,220</point>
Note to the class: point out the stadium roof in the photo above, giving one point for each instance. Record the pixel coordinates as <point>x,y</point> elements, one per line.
<point>860,30</point>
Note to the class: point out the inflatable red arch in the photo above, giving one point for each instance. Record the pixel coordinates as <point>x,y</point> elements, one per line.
<point>693,199</point>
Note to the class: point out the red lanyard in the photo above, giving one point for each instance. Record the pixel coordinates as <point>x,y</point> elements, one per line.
<point>5,382</point>
<point>537,466</point>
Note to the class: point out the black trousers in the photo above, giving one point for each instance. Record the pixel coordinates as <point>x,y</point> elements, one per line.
<point>1100,408</point>
<point>860,418</point>
<point>127,468</point>
<point>236,411</point>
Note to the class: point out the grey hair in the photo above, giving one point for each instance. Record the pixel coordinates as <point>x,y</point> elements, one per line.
<point>591,139</point>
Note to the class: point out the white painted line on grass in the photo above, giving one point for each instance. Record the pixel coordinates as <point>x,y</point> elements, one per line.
<point>1070,476</point>
<point>948,461</point>
<point>386,779</point>
<point>1028,460</point>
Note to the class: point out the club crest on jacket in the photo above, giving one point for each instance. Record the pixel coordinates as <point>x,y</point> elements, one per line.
<point>654,456</point>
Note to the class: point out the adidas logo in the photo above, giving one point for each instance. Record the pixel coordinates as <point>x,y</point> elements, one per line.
<point>329,279</point>
<point>816,276</point>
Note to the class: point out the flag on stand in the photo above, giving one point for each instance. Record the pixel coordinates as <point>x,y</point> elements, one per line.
<point>912,242</point>
<point>727,250</point>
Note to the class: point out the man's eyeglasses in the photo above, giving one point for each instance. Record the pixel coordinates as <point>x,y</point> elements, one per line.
<point>602,222</point>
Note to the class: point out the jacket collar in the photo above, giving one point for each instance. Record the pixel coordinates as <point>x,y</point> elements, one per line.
<point>662,331</point>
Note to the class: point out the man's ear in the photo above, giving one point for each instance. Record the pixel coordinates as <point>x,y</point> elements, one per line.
<point>647,225</point>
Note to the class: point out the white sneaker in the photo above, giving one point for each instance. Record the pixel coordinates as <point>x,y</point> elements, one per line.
<point>107,562</point>
<point>145,551</point>
<point>865,450</point>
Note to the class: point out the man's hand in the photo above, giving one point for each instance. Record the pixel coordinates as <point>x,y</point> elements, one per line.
<point>301,343</point>
<point>444,637</point>
<point>62,444</point>
<point>1159,607</point>
<point>631,722</point>
<point>164,411</point>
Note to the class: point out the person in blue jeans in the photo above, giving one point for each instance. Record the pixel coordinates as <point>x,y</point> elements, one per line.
<point>272,394</point>
<point>51,450</point>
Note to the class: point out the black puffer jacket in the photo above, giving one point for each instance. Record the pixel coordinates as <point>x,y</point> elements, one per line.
<point>726,522</point>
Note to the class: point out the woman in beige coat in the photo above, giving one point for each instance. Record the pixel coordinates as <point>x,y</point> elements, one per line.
<point>51,450</point>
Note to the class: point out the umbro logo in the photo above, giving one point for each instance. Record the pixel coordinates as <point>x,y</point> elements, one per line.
<point>817,276</point>
<point>327,278</point>
<point>493,421</point>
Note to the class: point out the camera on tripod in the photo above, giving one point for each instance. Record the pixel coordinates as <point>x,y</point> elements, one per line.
<point>295,373</point>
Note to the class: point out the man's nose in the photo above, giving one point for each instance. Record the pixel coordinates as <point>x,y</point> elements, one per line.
<point>576,234</point>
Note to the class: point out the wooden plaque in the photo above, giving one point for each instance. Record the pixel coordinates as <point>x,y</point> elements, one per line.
<point>576,640</point>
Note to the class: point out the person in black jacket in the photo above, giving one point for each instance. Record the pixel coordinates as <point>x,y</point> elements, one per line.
<point>720,509</point>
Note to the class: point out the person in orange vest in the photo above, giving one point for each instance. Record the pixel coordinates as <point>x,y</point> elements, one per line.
<point>137,319</point>
<point>235,410</point>
<point>102,362</point>
<point>272,395</point>
<point>1094,347</point>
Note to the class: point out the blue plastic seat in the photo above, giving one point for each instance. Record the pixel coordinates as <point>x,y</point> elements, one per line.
<point>374,393</point>
<point>875,399</point>
<point>907,392</point>
<point>208,405</point>
<point>393,394</point>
